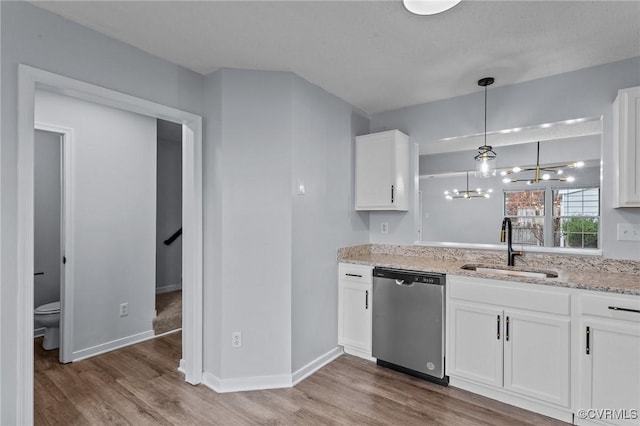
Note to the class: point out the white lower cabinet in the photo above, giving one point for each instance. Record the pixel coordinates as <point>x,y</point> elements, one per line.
<point>354,309</point>
<point>610,360</point>
<point>511,342</point>
<point>536,356</point>
<point>475,343</point>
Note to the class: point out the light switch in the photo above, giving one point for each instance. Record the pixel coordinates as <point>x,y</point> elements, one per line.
<point>300,189</point>
<point>628,232</point>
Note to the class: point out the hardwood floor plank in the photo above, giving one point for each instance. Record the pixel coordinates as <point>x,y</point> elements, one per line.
<point>140,385</point>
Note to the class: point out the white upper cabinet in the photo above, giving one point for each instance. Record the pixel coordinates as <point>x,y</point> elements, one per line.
<point>626,151</point>
<point>382,171</point>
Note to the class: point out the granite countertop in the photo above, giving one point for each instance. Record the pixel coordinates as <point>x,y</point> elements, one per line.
<point>573,272</point>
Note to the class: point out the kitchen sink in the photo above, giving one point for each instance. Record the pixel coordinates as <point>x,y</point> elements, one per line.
<point>513,271</point>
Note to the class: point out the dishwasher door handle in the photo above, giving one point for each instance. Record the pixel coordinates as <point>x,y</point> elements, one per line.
<point>403,283</point>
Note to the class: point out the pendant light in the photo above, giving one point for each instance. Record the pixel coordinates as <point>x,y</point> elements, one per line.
<point>468,194</point>
<point>486,158</point>
<point>428,7</point>
<point>550,173</point>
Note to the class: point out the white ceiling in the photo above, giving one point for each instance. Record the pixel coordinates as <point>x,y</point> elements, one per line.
<point>374,54</point>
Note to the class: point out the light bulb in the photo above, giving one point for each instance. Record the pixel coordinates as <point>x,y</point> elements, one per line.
<point>571,179</point>
<point>579,164</point>
<point>449,197</point>
<point>486,195</point>
<point>446,192</point>
<point>503,173</point>
<point>560,171</point>
<point>546,176</point>
<point>428,7</point>
<point>506,180</point>
<point>489,190</point>
<point>516,169</point>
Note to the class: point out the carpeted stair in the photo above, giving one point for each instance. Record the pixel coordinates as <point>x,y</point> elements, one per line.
<point>169,308</point>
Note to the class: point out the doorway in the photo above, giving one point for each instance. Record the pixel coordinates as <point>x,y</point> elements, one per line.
<point>168,291</point>
<point>29,80</point>
<point>53,225</point>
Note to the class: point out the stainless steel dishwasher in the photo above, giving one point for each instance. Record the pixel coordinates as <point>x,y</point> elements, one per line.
<point>408,322</point>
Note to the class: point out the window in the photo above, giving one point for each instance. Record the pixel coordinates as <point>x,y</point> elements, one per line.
<point>572,222</point>
<point>576,217</point>
<point>526,210</point>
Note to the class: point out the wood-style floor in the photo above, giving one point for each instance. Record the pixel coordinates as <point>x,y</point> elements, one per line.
<point>139,385</point>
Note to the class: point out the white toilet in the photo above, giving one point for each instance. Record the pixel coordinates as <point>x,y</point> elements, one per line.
<point>49,317</point>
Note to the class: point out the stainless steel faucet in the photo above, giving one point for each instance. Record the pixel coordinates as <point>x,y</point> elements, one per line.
<point>506,234</point>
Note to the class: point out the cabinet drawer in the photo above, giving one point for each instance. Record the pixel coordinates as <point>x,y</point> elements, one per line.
<point>512,294</point>
<point>356,273</point>
<point>621,307</point>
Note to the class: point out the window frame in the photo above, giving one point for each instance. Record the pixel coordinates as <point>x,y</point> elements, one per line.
<point>598,217</point>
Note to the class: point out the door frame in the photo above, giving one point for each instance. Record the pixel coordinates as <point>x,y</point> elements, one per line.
<point>67,231</point>
<point>30,79</point>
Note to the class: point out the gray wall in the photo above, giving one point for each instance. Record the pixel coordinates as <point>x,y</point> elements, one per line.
<point>273,275</point>
<point>324,219</point>
<point>41,39</point>
<point>169,206</point>
<point>114,212</point>
<point>47,205</point>
<point>253,156</point>
<point>584,93</point>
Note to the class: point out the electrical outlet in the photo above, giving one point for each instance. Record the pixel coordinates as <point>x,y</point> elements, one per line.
<point>384,227</point>
<point>124,309</point>
<point>236,339</point>
<point>628,232</point>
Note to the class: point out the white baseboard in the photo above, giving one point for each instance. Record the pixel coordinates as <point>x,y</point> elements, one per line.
<point>38,332</point>
<point>359,353</point>
<point>246,383</point>
<point>109,346</point>
<point>169,288</point>
<point>267,382</point>
<point>315,365</point>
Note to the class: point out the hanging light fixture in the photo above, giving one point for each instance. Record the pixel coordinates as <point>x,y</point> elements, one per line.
<point>550,173</point>
<point>468,194</point>
<point>428,7</point>
<point>486,157</point>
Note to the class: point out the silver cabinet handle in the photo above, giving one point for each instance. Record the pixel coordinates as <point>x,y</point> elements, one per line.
<point>354,275</point>
<point>366,299</point>
<point>392,188</point>
<point>498,329</point>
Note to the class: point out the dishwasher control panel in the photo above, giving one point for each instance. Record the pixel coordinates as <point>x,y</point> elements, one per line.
<point>410,276</point>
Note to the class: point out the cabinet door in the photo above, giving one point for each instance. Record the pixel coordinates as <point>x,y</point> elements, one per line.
<point>354,319</point>
<point>626,143</point>
<point>475,334</point>
<point>610,356</point>
<point>536,356</point>
<point>375,174</point>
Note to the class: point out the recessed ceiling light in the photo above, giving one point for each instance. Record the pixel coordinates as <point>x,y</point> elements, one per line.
<point>428,7</point>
